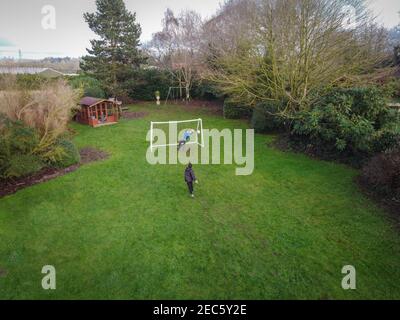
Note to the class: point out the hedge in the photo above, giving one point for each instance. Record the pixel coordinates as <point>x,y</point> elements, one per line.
<point>233,110</point>
<point>70,156</point>
<point>145,82</point>
<point>91,86</point>
<point>353,123</point>
<point>265,118</point>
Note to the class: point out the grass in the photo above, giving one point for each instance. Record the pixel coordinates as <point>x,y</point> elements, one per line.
<point>123,229</point>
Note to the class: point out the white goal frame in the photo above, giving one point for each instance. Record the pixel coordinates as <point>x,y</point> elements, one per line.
<point>199,127</point>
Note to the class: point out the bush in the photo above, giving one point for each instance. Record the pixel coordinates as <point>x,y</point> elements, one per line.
<point>368,102</point>
<point>21,165</point>
<point>205,90</point>
<point>17,145</point>
<point>388,136</point>
<point>95,92</point>
<point>90,86</point>
<point>69,156</point>
<point>265,118</point>
<point>31,81</point>
<point>24,81</point>
<point>386,139</point>
<point>31,126</point>
<point>233,110</point>
<point>347,123</point>
<point>397,55</point>
<point>19,154</point>
<point>392,88</point>
<point>382,174</point>
<point>47,111</point>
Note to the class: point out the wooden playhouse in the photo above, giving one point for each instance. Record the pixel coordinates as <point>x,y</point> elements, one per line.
<point>98,112</point>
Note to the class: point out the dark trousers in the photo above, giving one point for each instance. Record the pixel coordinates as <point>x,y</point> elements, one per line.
<point>181,144</point>
<point>190,186</point>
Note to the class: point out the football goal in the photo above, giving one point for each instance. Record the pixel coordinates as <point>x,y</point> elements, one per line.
<point>174,132</point>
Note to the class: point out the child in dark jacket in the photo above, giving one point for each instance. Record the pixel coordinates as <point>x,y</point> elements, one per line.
<point>190,178</point>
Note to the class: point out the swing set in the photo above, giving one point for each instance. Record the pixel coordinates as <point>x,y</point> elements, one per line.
<point>176,94</point>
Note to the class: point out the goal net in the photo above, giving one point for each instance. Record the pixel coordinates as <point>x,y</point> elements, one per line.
<point>175,131</point>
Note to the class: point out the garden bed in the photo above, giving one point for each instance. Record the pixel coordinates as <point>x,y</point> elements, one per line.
<point>11,186</point>
<point>283,143</point>
<point>3,273</point>
<point>389,204</point>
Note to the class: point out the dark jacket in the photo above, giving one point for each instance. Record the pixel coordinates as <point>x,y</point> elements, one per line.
<point>189,175</point>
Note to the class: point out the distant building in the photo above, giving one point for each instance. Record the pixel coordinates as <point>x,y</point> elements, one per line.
<point>45,72</point>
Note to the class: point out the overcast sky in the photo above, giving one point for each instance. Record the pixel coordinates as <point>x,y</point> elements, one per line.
<point>21,23</point>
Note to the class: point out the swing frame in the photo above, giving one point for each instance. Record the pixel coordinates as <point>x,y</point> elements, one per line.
<point>171,90</point>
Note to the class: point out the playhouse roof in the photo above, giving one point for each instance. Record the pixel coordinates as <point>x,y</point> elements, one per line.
<point>89,101</point>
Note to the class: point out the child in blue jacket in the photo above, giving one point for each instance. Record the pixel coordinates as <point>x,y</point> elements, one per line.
<point>186,138</point>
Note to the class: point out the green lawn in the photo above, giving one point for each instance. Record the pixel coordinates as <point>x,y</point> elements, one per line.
<point>123,229</point>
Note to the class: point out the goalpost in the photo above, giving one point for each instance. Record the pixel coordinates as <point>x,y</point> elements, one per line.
<point>198,127</point>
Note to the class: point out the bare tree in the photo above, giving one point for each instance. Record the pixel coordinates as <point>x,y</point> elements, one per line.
<point>394,43</point>
<point>232,25</point>
<point>293,48</point>
<point>176,47</point>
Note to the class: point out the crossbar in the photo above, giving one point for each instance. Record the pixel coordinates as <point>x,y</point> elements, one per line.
<point>169,122</point>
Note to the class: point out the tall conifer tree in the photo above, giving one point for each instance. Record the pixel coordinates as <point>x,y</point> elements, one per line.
<point>115,54</point>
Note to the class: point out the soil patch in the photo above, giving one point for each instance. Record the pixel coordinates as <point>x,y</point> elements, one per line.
<point>389,204</point>
<point>283,143</point>
<point>3,273</point>
<point>89,154</point>
<point>11,186</point>
<point>133,115</point>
